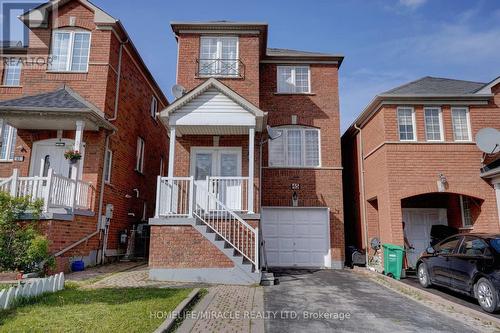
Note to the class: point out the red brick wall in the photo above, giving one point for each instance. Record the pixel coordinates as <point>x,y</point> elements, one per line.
<point>183,247</point>
<point>318,187</point>
<point>189,52</point>
<point>395,171</point>
<point>98,86</point>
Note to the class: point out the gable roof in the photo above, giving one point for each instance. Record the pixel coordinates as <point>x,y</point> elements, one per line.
<point>216,84</point>
<point>63,100</point>
<point>487,87</point>
<point>436,86</point>
<point>37,17</point>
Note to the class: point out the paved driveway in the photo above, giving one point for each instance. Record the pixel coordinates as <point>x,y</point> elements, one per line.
<point>372,307</point>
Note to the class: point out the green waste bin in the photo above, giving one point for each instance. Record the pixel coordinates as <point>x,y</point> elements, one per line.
<point>393,260</point>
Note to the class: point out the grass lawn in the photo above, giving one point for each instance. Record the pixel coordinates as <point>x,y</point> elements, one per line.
<point>93,310</point>
<point>6,285</point>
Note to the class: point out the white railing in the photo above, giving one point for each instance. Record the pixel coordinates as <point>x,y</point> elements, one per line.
<point>229,226</point>
<point>232,191</point>
<point>174,197</point>
<point>56,191</point>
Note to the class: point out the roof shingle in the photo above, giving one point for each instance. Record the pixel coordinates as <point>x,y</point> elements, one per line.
<point>436,86</point>
<point>58,99</point>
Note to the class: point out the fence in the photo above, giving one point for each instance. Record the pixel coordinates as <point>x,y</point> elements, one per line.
<point>31,288</point>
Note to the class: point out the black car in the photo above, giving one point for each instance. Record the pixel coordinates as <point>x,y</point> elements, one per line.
<point>469,264</point>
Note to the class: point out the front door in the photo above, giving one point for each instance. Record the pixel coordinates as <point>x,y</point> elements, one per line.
<point>418,224</point>
<point>50,154</point>
<point>223,164</point>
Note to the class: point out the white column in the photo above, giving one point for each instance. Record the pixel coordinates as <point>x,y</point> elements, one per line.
<point>497,193</point>
<point>80,125</point>
<point>171,152</point>
<point>251,163</point>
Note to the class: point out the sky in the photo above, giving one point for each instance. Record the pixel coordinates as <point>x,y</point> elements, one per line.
<point>385,42</point>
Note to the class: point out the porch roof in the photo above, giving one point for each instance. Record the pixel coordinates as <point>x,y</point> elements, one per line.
<point>57,109</point>
<point>213,108</point>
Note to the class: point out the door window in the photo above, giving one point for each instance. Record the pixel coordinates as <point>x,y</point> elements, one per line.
<point>228,164</point>
<point>203,166</point>
<point>472,246</point>
<point>448,247</point>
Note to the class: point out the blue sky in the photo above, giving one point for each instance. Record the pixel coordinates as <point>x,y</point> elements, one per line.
<point>385,42</point>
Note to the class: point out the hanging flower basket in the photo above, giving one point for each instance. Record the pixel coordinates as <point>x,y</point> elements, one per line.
<point>72,156</point>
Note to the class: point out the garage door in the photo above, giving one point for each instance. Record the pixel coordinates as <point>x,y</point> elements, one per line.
<point>296,237</point>
<point>418,223</point>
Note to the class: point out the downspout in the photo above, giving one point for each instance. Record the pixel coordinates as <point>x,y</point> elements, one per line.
<point>101,198</point>
<point>363,193</point>
<point>118,79</point>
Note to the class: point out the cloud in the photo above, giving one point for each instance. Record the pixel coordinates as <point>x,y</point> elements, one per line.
<point>412,4</point>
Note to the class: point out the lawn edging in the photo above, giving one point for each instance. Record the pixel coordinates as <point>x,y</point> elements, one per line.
<point>171,320</point>
<point>420,295</point>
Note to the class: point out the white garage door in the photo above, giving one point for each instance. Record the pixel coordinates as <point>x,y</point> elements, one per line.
<point>418,223</point>
<point>296,237</point>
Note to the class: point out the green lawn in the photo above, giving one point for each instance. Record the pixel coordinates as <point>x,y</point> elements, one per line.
<point>6,285</point>
<point>93,310</point>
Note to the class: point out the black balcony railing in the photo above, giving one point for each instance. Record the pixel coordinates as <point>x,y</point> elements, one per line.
<point>232,68</point>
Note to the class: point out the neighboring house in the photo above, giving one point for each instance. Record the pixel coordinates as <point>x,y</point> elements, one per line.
<point>229,183</point>
<point>81,85</point>
<point>411,156</point>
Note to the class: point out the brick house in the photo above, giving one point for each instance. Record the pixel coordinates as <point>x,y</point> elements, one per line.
<point>81,84</point>
<point>254,154</point>
<point>410,156</point>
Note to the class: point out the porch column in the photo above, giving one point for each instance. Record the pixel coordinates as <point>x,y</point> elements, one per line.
<point>171,152</point>
<point>80,125</point>
<point>251,163</point>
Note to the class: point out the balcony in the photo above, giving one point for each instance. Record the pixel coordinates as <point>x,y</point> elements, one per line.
<point>222,68</point>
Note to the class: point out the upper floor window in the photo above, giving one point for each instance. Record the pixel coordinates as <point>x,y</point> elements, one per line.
<point>139,162</point>
<point>154,107</point>
<point>70,51</point>
<point>294,79</point>
<point>12,72</point>
<point>461,124</point>
<point>433,124</point>
<point>406,124</point>
<point>108,166</point>
<point>296,147</point>
<point>218,56</point>
<point>9,134</point>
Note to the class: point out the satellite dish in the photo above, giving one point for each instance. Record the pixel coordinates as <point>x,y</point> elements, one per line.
<point>178,91</point>
<point>488,140</point>
<point>273,133</point>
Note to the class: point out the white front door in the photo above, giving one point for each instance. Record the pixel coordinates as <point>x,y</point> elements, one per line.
<point>50,154</point>
<point>418,224</point>
<point>296,237</point>
<point>217,162</point>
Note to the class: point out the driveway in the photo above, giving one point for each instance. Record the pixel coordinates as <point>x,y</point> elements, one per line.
<point>364,305</point>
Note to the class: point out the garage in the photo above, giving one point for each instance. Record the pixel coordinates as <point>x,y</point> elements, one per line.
<point>418,224</point>
<point>296,236</point>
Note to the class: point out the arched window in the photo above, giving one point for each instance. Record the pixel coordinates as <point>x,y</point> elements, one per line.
<point>298,146</point>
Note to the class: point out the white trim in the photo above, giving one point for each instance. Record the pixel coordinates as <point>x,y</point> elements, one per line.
<point>71,46</point>
<point>414,123</point>
<point>467,114</point>
<point>219,55</point>
<point>141,147</point>
<point>462,213</point>
<point>284,135</point>
<point>153,108</point>
<point>294,78</point>
<point>10,144</point>
<point>441,127</point>
<point>107,180</point>
<point>215,167</point>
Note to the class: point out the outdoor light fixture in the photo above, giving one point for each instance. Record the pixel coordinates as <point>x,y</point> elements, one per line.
<point>442,183</point>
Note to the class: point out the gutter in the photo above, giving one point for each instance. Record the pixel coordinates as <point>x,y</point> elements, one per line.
<point>363,192</point>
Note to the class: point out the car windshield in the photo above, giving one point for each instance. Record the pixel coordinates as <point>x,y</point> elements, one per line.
<point>495,242</point>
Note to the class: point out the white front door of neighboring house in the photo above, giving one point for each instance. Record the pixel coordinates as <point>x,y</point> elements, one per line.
<point>48,154</point>
<point>296,236</point>
<point>217,162</point>
<point>418,224</point>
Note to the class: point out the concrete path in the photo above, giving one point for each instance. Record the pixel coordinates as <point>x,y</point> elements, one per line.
<point>351,303</point>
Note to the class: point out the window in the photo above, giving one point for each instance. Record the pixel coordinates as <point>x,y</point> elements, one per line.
<point>144,211</point>
<point>461,124</point>
<point>154,107</point>
<point>70,51</point>
<point>139,164</point>
<point>465,206</point>
<point>433,124</point>
<point>472,246</point>
<point>296,147</point>
<point>162,167</point>
<point>9,134</point>
<point>448,246</point>
<point>108,165</point>
<point>12,72</point>
<point>293,79</point>
<point>406,124</point>
<point>219,56</point>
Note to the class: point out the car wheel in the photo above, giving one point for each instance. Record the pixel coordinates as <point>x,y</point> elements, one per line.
<point>486,295</point>
<point>423,275</point>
